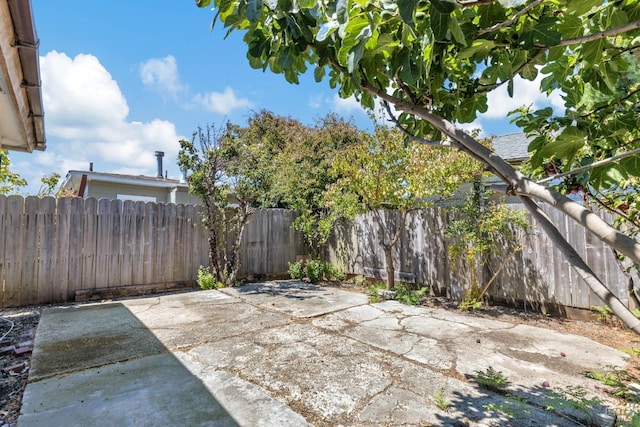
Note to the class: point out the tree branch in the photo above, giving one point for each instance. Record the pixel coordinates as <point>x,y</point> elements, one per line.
<point>411,136</point>
<point>596,36</point>
<point>472,3</point>
<point>512,20</point>
<point>518,183</point>
<point>591,166</point>
<point>489,88</point>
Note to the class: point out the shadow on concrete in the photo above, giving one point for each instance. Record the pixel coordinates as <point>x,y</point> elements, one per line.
<point>98,364</point>
<point>519,406</point>
<point>293,289</point>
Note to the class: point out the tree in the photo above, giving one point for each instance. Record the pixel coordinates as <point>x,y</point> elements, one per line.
<point>384,173</point>
<point>228,177</point>
<point>303,174</point>
<point>10,182</point>
<point>435,61</point>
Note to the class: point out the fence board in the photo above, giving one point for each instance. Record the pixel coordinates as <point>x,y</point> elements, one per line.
<point>76,242</point>
<point>90,244</point>
<point>3,239</point>
<point>14,251</point>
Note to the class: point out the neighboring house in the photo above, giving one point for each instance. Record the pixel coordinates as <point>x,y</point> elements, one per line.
<point>101,185</point>
<point>512,147</point>
<point>21,112</point>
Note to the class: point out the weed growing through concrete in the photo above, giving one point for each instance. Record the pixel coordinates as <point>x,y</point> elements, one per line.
<point>572,397</point>
<point>616,382</point>
<point>492,379</point>
<point>440,397</point>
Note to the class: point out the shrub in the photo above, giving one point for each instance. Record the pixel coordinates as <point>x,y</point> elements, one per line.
<point>314,270</point>
<point>333,272</point>
<point>205,278</point>
<point>407,296</point>
<point>296,270</point>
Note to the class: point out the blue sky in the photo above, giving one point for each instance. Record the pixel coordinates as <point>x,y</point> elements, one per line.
<point>124,79</point>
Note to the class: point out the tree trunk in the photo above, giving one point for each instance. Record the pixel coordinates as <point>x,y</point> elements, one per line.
<point>583,270</point>
<point>391,271</point>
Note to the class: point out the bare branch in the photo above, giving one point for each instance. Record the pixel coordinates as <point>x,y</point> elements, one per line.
<point>591,166</point>
<point>596,36</point>
<point>411,136</point>
<point>512,20</point>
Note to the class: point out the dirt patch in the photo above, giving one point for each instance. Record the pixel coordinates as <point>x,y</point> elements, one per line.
<point>17,330</point>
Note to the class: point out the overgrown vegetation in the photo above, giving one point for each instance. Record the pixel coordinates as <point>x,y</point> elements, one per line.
<point>437,63</point>
<point>315,270</point>
<point>482,227</point>
<point>407,296</point>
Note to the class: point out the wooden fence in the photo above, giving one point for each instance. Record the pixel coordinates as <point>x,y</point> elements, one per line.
<point>52,248</point>
<point>534,273</point>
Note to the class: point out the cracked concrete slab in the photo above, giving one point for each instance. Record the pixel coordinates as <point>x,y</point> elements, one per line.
<point>294,354</point>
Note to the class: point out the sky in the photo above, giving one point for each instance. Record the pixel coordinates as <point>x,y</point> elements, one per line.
<point>121,80</point>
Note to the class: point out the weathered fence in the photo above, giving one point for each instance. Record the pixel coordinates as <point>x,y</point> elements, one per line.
<point>534,272</point>
<point>52,248</point>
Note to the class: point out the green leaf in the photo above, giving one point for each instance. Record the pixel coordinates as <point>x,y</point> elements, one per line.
<point>608,176</point>
<point>254,9</point>
<point>445,6</point>
<point>470,107</point>
<point>456,31</point>
<point>580,7</point>
<point>571,27</point>
<point>318,73</point>
<point>342,11</point>
<point>565,145</point>
<point>407,9</point>
<point>439,23</point>
<point>203,3</point>
<point>592,51</point>
<point>307,4</point>
<point>479,47</point>
<point>631,165</point>
<point>544,31</point>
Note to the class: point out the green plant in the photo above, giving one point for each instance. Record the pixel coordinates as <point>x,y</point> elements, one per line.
<point>571,397</point>
<point>602,313</point>
<point>512,407</point>
<point>314,270</point>
<point>492,379</point>
<point>471,301</point>
<point>631,351</point>
<point>296,270</point>
<point>407,296</point>
<point>440,397</point>
<point>373,289</point>
<point>333,272</point>
<point>205,278</point>
<point>616,380</point>
<point>636,312</point>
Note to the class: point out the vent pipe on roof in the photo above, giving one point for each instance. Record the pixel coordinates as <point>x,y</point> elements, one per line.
<point>90,166</point>
<point>159,156</point>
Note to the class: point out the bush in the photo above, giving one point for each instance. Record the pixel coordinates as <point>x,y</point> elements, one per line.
<point>333,272</point>
<point>407,296</point>
<point>205,278</point>
<point>314,270</point>
<point>296,270</point>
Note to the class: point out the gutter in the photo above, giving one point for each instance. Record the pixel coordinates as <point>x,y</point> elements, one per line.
<point>27,43</point>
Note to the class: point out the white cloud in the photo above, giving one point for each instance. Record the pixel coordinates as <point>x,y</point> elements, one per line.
<point>78,92</point>
<point>87,121</point>
<point>347,105</point>
<point>525,93</point>
<point>162,74</point>
<point>222,102</point>
<point>473,127</point>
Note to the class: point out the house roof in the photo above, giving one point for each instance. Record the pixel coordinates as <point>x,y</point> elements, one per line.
<point>21,110</point>
<point>74,178</point>
<point>512,147</point>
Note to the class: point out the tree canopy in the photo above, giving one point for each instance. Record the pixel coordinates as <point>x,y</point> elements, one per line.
<point>436,61</point>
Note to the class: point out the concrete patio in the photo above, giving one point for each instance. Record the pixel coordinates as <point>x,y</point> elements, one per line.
<point>293,354</point>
